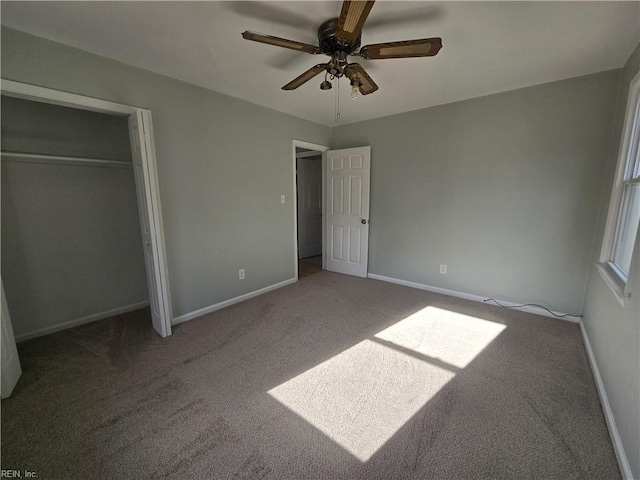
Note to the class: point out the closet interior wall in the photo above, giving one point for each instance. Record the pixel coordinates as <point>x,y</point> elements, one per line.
<point>70,234</point>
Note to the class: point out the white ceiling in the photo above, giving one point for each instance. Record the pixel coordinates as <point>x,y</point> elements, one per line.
<point>488,47</point>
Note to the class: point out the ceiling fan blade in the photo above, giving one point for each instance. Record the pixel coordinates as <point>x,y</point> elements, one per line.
<point>424,47</point>
<point>354,71</point>
<point>280,42</point>
<point>305,77</point>
<point>352,17</point>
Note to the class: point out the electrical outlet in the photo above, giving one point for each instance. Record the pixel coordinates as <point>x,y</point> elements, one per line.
<point>241,274</point>
<point>443,269</point>
<point>282,199</point>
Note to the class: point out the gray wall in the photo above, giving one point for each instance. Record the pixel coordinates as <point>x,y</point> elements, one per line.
<point>613,330</point>
<point>504,189</point>
<point>37,127</point>
<point>222,165</point>
<point>71,244</point>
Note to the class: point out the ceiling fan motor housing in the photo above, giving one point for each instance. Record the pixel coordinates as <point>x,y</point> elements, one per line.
<point>328,42</point>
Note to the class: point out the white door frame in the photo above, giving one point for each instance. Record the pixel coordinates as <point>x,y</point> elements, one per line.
<point>65,99</point>
<point>319,148</point>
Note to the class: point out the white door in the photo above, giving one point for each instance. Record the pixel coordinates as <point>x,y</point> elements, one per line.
<point>348,173</point>
<point>159,314</point>
<point>309,183</point>
<point>11,369</point>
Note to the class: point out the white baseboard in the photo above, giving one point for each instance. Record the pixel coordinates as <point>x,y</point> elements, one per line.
<point>468,296</point>
<point>231,301</point>
<point>618,448</point>
<point>80,321</point>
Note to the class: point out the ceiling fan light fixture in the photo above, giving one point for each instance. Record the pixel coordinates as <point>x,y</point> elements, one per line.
<point>337,64</point>
<point>355,89</point>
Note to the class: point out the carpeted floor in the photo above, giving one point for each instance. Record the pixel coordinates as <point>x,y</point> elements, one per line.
<point>333,377</point>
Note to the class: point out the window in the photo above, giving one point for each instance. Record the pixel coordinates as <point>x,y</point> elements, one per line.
<point>624,208</point>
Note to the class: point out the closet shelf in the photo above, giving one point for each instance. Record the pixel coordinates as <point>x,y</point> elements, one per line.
<point>62,160</point>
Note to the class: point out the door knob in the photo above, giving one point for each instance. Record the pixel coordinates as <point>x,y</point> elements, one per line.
<point>363,221</point>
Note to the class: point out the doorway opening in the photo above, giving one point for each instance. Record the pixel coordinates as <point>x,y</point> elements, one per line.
<point>140,132</point>
<point>309,174</point>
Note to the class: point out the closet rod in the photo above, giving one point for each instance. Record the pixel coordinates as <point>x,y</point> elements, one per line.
<point>62,160</point>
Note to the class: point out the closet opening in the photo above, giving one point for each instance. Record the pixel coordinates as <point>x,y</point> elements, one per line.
<point>81,230</point>
<point>309,174</point>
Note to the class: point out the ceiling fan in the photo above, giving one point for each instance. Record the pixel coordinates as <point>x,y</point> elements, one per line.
<point>339,38</point>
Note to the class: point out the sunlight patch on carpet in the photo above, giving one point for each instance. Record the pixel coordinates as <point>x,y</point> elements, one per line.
<point>361,397</point>
<point>444,335</point>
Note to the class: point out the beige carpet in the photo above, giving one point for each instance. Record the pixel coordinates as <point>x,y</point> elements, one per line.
<point>334,377</point>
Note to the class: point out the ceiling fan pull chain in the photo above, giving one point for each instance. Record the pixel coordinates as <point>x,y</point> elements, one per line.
<point>337,102</point>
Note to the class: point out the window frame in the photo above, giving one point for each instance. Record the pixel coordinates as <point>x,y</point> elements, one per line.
<point>627,174</point>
